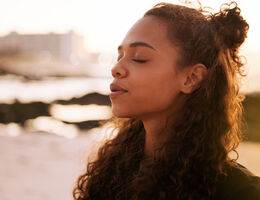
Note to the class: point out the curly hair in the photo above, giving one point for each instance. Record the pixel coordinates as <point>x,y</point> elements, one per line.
<point>195,152</point>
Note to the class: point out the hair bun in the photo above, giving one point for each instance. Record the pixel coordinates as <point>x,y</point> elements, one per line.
<point>230,25</point>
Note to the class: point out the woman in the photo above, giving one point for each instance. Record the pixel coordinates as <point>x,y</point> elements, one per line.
<point>177,107</point>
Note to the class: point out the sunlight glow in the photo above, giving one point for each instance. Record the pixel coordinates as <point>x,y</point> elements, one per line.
<point>50,125</point>
<point>12,89</point>
<point>78,113</point>
<point>103,23</point>
<point>10,129</point>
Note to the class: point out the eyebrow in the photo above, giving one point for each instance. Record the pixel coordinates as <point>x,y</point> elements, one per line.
<point>137,44</point>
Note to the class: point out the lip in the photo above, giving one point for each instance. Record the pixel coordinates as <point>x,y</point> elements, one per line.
<point>116,90</point>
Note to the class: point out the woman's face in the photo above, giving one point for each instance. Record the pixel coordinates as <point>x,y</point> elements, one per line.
<point>146,68</point>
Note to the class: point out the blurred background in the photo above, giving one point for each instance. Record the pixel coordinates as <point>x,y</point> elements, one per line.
<point>55,62</point>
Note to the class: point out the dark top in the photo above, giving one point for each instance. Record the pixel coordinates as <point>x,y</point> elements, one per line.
<point>239,184</point>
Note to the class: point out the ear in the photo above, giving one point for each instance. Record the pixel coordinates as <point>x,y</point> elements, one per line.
<point>192,78</point>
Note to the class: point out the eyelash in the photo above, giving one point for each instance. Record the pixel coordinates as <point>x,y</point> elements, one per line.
<point>139,61</point>
<point>135,60</point>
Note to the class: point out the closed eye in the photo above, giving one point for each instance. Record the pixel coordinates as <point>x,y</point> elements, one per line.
<point>139,61</point>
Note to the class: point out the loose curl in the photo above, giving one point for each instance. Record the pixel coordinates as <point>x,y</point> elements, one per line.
<point>195,153</point>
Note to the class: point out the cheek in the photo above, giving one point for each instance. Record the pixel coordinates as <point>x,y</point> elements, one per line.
<point>161,88</point>
<point>159,95</point>
<point>150,95</point>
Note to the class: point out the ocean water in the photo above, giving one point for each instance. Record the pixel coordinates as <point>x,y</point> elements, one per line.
<point>49,89</point>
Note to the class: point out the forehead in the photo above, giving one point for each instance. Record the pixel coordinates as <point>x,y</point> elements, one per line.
<point>149,30</point>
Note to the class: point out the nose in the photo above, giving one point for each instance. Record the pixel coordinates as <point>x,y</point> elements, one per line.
<point>118,71</point>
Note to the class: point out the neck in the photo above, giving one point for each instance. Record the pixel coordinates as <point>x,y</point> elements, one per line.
<point>155,123</point>
<point>152,127</point>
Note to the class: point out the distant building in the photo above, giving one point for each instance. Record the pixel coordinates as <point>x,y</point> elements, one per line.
<point>66,46</point>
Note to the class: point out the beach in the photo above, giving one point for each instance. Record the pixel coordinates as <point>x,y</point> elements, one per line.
<point>40,166</point>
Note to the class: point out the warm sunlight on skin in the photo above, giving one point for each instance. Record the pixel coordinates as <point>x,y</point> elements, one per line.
<point>149,84</point>
<point>144,60</point>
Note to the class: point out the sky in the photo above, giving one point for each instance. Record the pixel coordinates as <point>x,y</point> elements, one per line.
<point>104,23</point>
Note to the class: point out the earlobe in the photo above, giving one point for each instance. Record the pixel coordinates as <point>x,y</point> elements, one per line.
<point>193,78</point>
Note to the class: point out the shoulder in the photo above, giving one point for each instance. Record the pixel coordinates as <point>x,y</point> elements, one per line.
<point>239,184</point>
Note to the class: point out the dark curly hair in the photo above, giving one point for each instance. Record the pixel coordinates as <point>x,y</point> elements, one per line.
<point>196,150</point>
